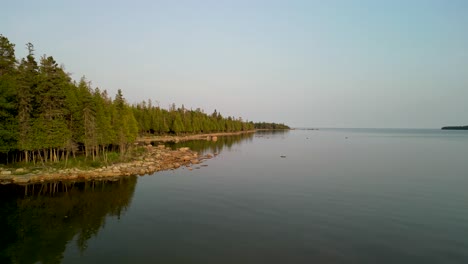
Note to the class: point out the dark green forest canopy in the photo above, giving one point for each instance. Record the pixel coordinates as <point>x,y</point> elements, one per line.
<point>46,116</point>
<point>264,125</point>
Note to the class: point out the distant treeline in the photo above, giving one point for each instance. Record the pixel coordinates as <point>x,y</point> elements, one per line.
<point>455,128</point>
<point>155,120</point>
<point>263,125</point>
<point>45,116</point>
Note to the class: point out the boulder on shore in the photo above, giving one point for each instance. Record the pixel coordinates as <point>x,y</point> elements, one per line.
<point>186,158</point>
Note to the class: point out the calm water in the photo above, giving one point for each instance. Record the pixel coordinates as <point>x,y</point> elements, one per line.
<point>339,196</point>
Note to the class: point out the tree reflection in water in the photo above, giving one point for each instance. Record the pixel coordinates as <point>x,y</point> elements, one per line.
<point>38,227</point>
<point>205,146</point>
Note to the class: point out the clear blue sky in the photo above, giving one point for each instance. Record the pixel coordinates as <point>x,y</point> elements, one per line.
<point>306,63</point>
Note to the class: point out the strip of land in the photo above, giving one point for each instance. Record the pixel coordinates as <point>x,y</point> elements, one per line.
<point>455,128</point>
<point>208,136</point>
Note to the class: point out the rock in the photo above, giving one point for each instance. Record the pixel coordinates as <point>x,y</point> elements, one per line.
<point>184,149</point>
<point>20,170</point>
<point>176,165</point>
<point>6,177</point>
<point>195,161</point>
<point>161,146</point>
<point>6,172</point>
<point>186,158</point>
<point>214,138</point>
<point>208,156</point>
<point>20,180</point>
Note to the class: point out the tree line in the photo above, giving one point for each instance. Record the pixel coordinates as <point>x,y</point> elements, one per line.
<point>45,116</point>
<point>264,125</point>
<point>154,120</point>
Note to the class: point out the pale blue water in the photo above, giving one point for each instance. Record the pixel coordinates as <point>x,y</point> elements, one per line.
<point>339,196</point>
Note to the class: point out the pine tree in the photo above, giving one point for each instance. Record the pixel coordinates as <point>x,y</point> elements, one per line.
<point>8,87</point>
<point>52,87</point>
<point>27,83</point>
<point>177,126</point>
<point>124,124</point>
<point>105,132</point>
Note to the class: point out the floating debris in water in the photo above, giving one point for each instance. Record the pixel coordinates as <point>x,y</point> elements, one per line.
<point>283,156</point>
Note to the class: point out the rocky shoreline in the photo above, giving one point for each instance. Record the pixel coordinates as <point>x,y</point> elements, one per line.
<point>154,159</point>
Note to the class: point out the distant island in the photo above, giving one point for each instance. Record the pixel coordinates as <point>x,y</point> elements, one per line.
<point>455,128</point>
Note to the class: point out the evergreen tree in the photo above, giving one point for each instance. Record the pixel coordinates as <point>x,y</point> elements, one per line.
<point>177,125</point>
<point>105,133</point>
<point>8,124</point>
<point>52,88</point>
<point>27,83</point>
<point>124,124</point>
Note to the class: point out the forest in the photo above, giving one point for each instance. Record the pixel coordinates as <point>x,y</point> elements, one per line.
<point>46,116</point>
<point>269,126</point>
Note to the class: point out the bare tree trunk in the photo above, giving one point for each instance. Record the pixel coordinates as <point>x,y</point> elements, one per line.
<point>42,160</point>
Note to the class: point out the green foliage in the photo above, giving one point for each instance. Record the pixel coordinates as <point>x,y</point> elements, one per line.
<point>95,164</point>
<point>157,121</point>
<point>46,117</point>
<point>264,125</point>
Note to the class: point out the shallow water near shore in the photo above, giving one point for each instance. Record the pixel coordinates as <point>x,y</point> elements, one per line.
<point>300,196</point>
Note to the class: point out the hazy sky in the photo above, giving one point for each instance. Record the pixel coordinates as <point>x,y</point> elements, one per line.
<point>306,63</point>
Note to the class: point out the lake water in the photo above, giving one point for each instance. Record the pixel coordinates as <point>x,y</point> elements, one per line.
<point>336,196</point>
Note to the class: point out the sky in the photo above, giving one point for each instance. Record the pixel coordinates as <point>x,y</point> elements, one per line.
<point>384,64</point>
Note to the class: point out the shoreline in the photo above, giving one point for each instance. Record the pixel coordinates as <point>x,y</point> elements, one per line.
<point>154,159</point>
<point>207,136</point>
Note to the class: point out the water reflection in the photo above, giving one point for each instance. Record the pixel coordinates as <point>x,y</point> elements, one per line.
<point>266,133</point>
<point>222,142</point>
<point>37,228</point>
